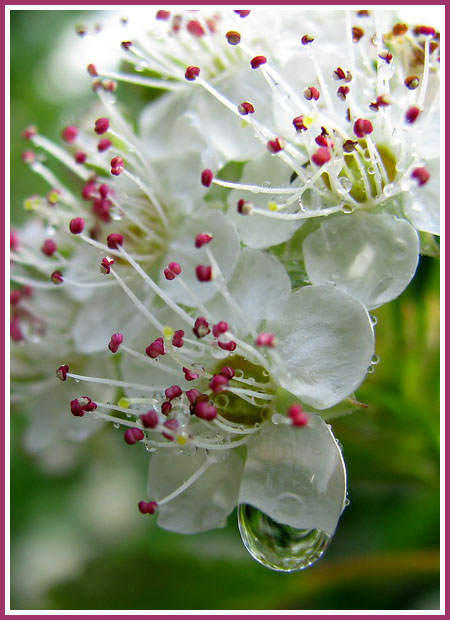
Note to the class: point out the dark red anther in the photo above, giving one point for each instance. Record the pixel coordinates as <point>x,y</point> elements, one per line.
<point>242,13</point>
<point>427,31</point>
<point>69,134</point>
<point>29,132</point>
<point>15,330</point>
<point>115,342</point>
<point>201,327</point>
<point>202,239</point>
<point>192,395</point>
<point>297,415</point>
<point>13,240</point>
<point>171,424</point>
<point>92,70</point>
<point>57,277</point>
<point>349,146</point>
<point>207,177</point>
<point>339,74</point>
<point>172,271</point>
<point>362,128</point>
<point>117,166</point>
<point>357,34</point>
<point>114,240</point>
<point>14,297</point>
<point>205,410</point>
<point>233,37</point>
<point>101,208</point>
<point>189,375</point>
<point>385,55</point>
<point>76,225</point>
<point>381,101</point>
<point>321,141</point>
<point>101,126</point>
<point>76,408</point>
<point>220,328</point>
<point>177,338</point>
<point>275,146</point>
<point>89,190</point>
<point>150,419</point>
<point>245,108</point>
<point>156,348</point>
<point>103,145</point>
<point>307,39</point>
<point>266,339</point>
<point>87,403</point>
<point>243,207</point>
<point>147,508</point>
<point>321,156</point>
<point>49,247</point>
<point>61,372</point>
<point>218,383</point>
<point>132,435</point>
<point>104,190</point>
<point>29,157</point>
<point>257,61</point>
<point>311,93</point>
<point>166,407</point>
<point>227,346</point>
<point>80,157</point>
<point>173,392</point>
<point>399,30</point>
<point>421,175</point>
<point>412,114</point>
<point>161,14</point>
<point>299,124</point>
<point>228,372</point>
<point>125,45</point>
<point>109,85</point>
<point>204,273</point>
<point>192,73</point>
<point>195,28</point>
<point>342,92</point>
<point>412,82</point>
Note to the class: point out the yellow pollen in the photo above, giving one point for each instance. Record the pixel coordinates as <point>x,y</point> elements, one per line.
<point>182,439</point>
<point>123,402</point>
<point>168,332</point>
<point>272,206</point>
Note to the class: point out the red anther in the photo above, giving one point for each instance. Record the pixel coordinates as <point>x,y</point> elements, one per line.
<point>166,407</point>
<point>172,271</point>
<point>69,134</point>
<point>15,297</point>
<point>76,408</point>
<point>357,34</point>
<point>171,424</point>
<point>275,146</point>
<point>104,190</point>
<point>80,157</point>
<point>265,339</point>
<point>109,85</point>
<point>191,73</point>
<point>76,225</point>
<point>26,291</point>
<point>421,175</point>
<point>349,146</point>
<point>227,372</point>
<point>29,157</point>
<point>29,132</point>
<point>89,190</point>
<point>362,127</point>
<point>321,156</point>
<point>242,13</point>
<point>100,208</point>
<point>147,507</point>
<point>321,141</point>
<point>204,273</point>
<point>207,177</point>
<point>299,124</point>
<point>243,207</point>
<point>49,247</point>
<point>297,415</point>
<point>211,22</point>
<point>257,61</point>
<point>173,392</point>
<point>307,39</point>
<point>87,404</point>
<point>201,327</point>
<point>150,419</point>
<point>156,348</point>
<point>132,435</point>
<point>61,372</point>
<point>387,56</point>
<point>177,338</point>
<point>205,410</point>
<point>114,240</point>
<point>126,45</point>
<point>339,74</point>
<point>101,126</point>
<point>218,383</point>
<point>233,37</point>
<point>342,92</point>
<point>412,114</point>
<point>103,145</point>
<point>92,70</point>
<point>380,102</point>
<point>15,330</point>
<point>202,239</point>
<point>117,166</point>
<point>311,93</point>
<point>399,30</point>
<point>189,375</point>
<point>176,23</point>
<point>245,108</point>
<point>195,28</point>
<point>412,82</point>
<point>163,14</point>
<point>428,31</point>
<point>227,346</point>
<point>57,277</point>
<point>115,342</point>
<point>220,328</point>
<point>192,395</point>
<point>13,240</point>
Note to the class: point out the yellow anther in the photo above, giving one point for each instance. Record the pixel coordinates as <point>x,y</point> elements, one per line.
<point>308,121</point>
<point>182,439</point>
<point>30,204</point>
<point>272,206</point>
<point>168,332</point>
<point>123,402</point>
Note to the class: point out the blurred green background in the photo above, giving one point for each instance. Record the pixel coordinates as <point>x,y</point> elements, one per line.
<point>77,540</point>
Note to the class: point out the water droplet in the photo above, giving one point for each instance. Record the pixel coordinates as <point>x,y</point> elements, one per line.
<point>278,546</point>
<point>346,183</point>
<point>128,415</point>
<point>371,170</point>
<point>221,401</point>
<point>346,502</point>
<point>150,446</point>
<point>239,373</point>
<point>330,283</point>
<point>370,370</point>
<point>373,320</point>
<point>116,213</point>
<point>267,184</point>
<point>375,359</point>
<point>116,425</point>
<point>389,189</point>
<point>77,380</point>
<point>347,209</point>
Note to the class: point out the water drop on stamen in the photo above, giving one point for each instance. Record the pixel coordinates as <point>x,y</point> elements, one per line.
<point>116,425</point>
<point>77,380</point>
<point>347,208</point>
<point>389,189</point>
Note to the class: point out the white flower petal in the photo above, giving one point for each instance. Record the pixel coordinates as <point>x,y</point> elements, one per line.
<point>371,257</point>
<point>325,341</point>
<point>423,207</point>
<point>296,476</point>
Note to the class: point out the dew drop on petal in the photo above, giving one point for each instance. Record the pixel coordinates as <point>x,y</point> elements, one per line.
<point>375,359</point>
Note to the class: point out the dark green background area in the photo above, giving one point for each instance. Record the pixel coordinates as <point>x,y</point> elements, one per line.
<point>385,553</point>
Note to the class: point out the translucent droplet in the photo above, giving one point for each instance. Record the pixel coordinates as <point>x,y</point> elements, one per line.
<point>389,189</point>
<point>267,184</point>
<point>116,213</point>
<point>77,380</point>
<point>346,502</point>
<point>347,209</point>
<point>371,170</point>
<point>128,415</point>
<point>346,183</point>
<point>116,425</point>
<point>370,370</point>
<point>278,546</point>
<point>375,359</point>
<point>330,283</point>
<point>373,320</point>
<point>221,401</point>
<point>150,446</point>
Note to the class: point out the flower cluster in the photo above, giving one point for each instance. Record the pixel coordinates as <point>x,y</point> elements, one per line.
<point>213,273</point>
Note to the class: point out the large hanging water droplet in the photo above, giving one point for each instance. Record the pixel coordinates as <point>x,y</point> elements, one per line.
<point>278,546</point>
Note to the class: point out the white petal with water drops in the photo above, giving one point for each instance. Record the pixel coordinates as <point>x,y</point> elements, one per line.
<point>423,207</point>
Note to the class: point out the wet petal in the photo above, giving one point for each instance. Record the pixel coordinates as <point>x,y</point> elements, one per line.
<point>423,207</point>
